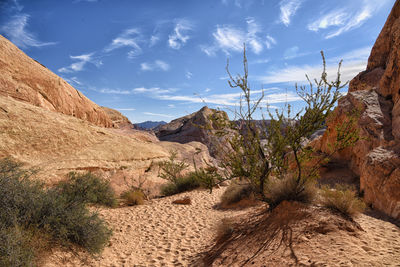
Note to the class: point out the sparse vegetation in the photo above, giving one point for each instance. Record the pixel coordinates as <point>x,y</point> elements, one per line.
<point>343,199</point>
<point>235,193</point>
<point>289,189</point>
<point>28,207</point>
<point>173,171</point>
<point>88,188</point>
<point>182,184</point>
<point>275,158</point>
<point>133,197</point>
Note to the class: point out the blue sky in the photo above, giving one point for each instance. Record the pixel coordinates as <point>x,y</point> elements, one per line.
<point>160,59</point>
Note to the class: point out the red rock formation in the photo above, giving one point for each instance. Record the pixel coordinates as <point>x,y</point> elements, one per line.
<point>376,93</point>
<point>25,79</point>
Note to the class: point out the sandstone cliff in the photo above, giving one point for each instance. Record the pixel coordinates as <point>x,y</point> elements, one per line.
<point>24,79</point>
<point>376,93</point>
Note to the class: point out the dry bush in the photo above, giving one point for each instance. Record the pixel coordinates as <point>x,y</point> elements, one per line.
<point>236,193</point>
<point>224,230</point>
<point>133,197</point>
<point>290,189</point>
<point>342,198</point>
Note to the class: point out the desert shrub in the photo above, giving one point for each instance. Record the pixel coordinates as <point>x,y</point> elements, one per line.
<point>342,198</point>
<point>172,170</point>
<point>224,230</point>
<point>289,189</point>
<point>88,188</point>
<point>133,197</point>
<point>27,206</point>
<point>15,247</point>
<point>181,184</point>
<point>235,193</point>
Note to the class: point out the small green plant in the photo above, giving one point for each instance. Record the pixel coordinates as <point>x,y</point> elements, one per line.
<point>27,207</point>
<point>235,193</point>
<point>172,170</point>
<point>182,184</point>
<point>343,199</point>
<point>133,197</point>
<point>88,188</point>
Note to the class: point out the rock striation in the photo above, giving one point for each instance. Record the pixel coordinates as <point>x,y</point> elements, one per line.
<point>25,79</point>
<point>375,92</point>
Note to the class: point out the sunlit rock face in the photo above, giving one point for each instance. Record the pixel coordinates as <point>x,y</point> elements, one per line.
<point>25,79</point>
<point>376,93</point>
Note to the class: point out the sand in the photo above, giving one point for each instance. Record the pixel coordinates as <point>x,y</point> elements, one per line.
<point>160,233</point>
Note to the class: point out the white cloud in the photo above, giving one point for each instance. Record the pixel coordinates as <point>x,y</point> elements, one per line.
<point>156,65</point>
<point>171,105</point>
<point>126,109</point>
<point>158,114</point>
<point>153,90</point>
<point>188,75</point>
<point>207,90</point>
<point>154,40</point>
<point>288,10</point>
<point>179,36</point>
<point>270,42</point>
<point>353,62</point>
<point>129,38</point>
<point>260,61</point>
<point>80,63</point>
<point>229,38</point>
<point>346,19</point>
<point>15,30</point>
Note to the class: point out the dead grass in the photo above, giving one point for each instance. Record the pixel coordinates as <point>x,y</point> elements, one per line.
<point>133,197</point>
<point>342,198</point>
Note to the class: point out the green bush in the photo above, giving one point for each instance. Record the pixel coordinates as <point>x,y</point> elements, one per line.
<point>290,189</point>
<point>342,198</point>
<point>235,193</point>
<point>15,249</point>
<point>88,188</point>
<point>26,206</point>
<point>133,197</point>
<point>181,184</point>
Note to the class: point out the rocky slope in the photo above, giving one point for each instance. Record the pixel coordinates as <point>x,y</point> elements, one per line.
<point>57,144</point>
<point>375,92</point>
<point>194,127</point>
<point>118,120</point>
<point>25,79</point>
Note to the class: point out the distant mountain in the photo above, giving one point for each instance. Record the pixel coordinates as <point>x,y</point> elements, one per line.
<point>149,125</point>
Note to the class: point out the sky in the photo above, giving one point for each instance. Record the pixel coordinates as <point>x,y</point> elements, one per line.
<point>163,59</point>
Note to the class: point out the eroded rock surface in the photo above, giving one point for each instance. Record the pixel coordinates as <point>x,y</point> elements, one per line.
<point>27,80</point>
<point>375,93</point>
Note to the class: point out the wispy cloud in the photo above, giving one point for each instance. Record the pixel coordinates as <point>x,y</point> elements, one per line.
<point>158,114</point>
<point>188,75</point>
<point>16,31</point>
<point>156,65</point>
<point>180,36</point>
<point>80,63</point>
<point>126,109</point>
<point>353,62</point>
<point>128,38</point>
<point>229,38</point>
<point>288,10</point>
<point>270,42</point>
<point>342,20</point>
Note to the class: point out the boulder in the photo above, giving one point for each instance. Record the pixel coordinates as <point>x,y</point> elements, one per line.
<point>197,126</point>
